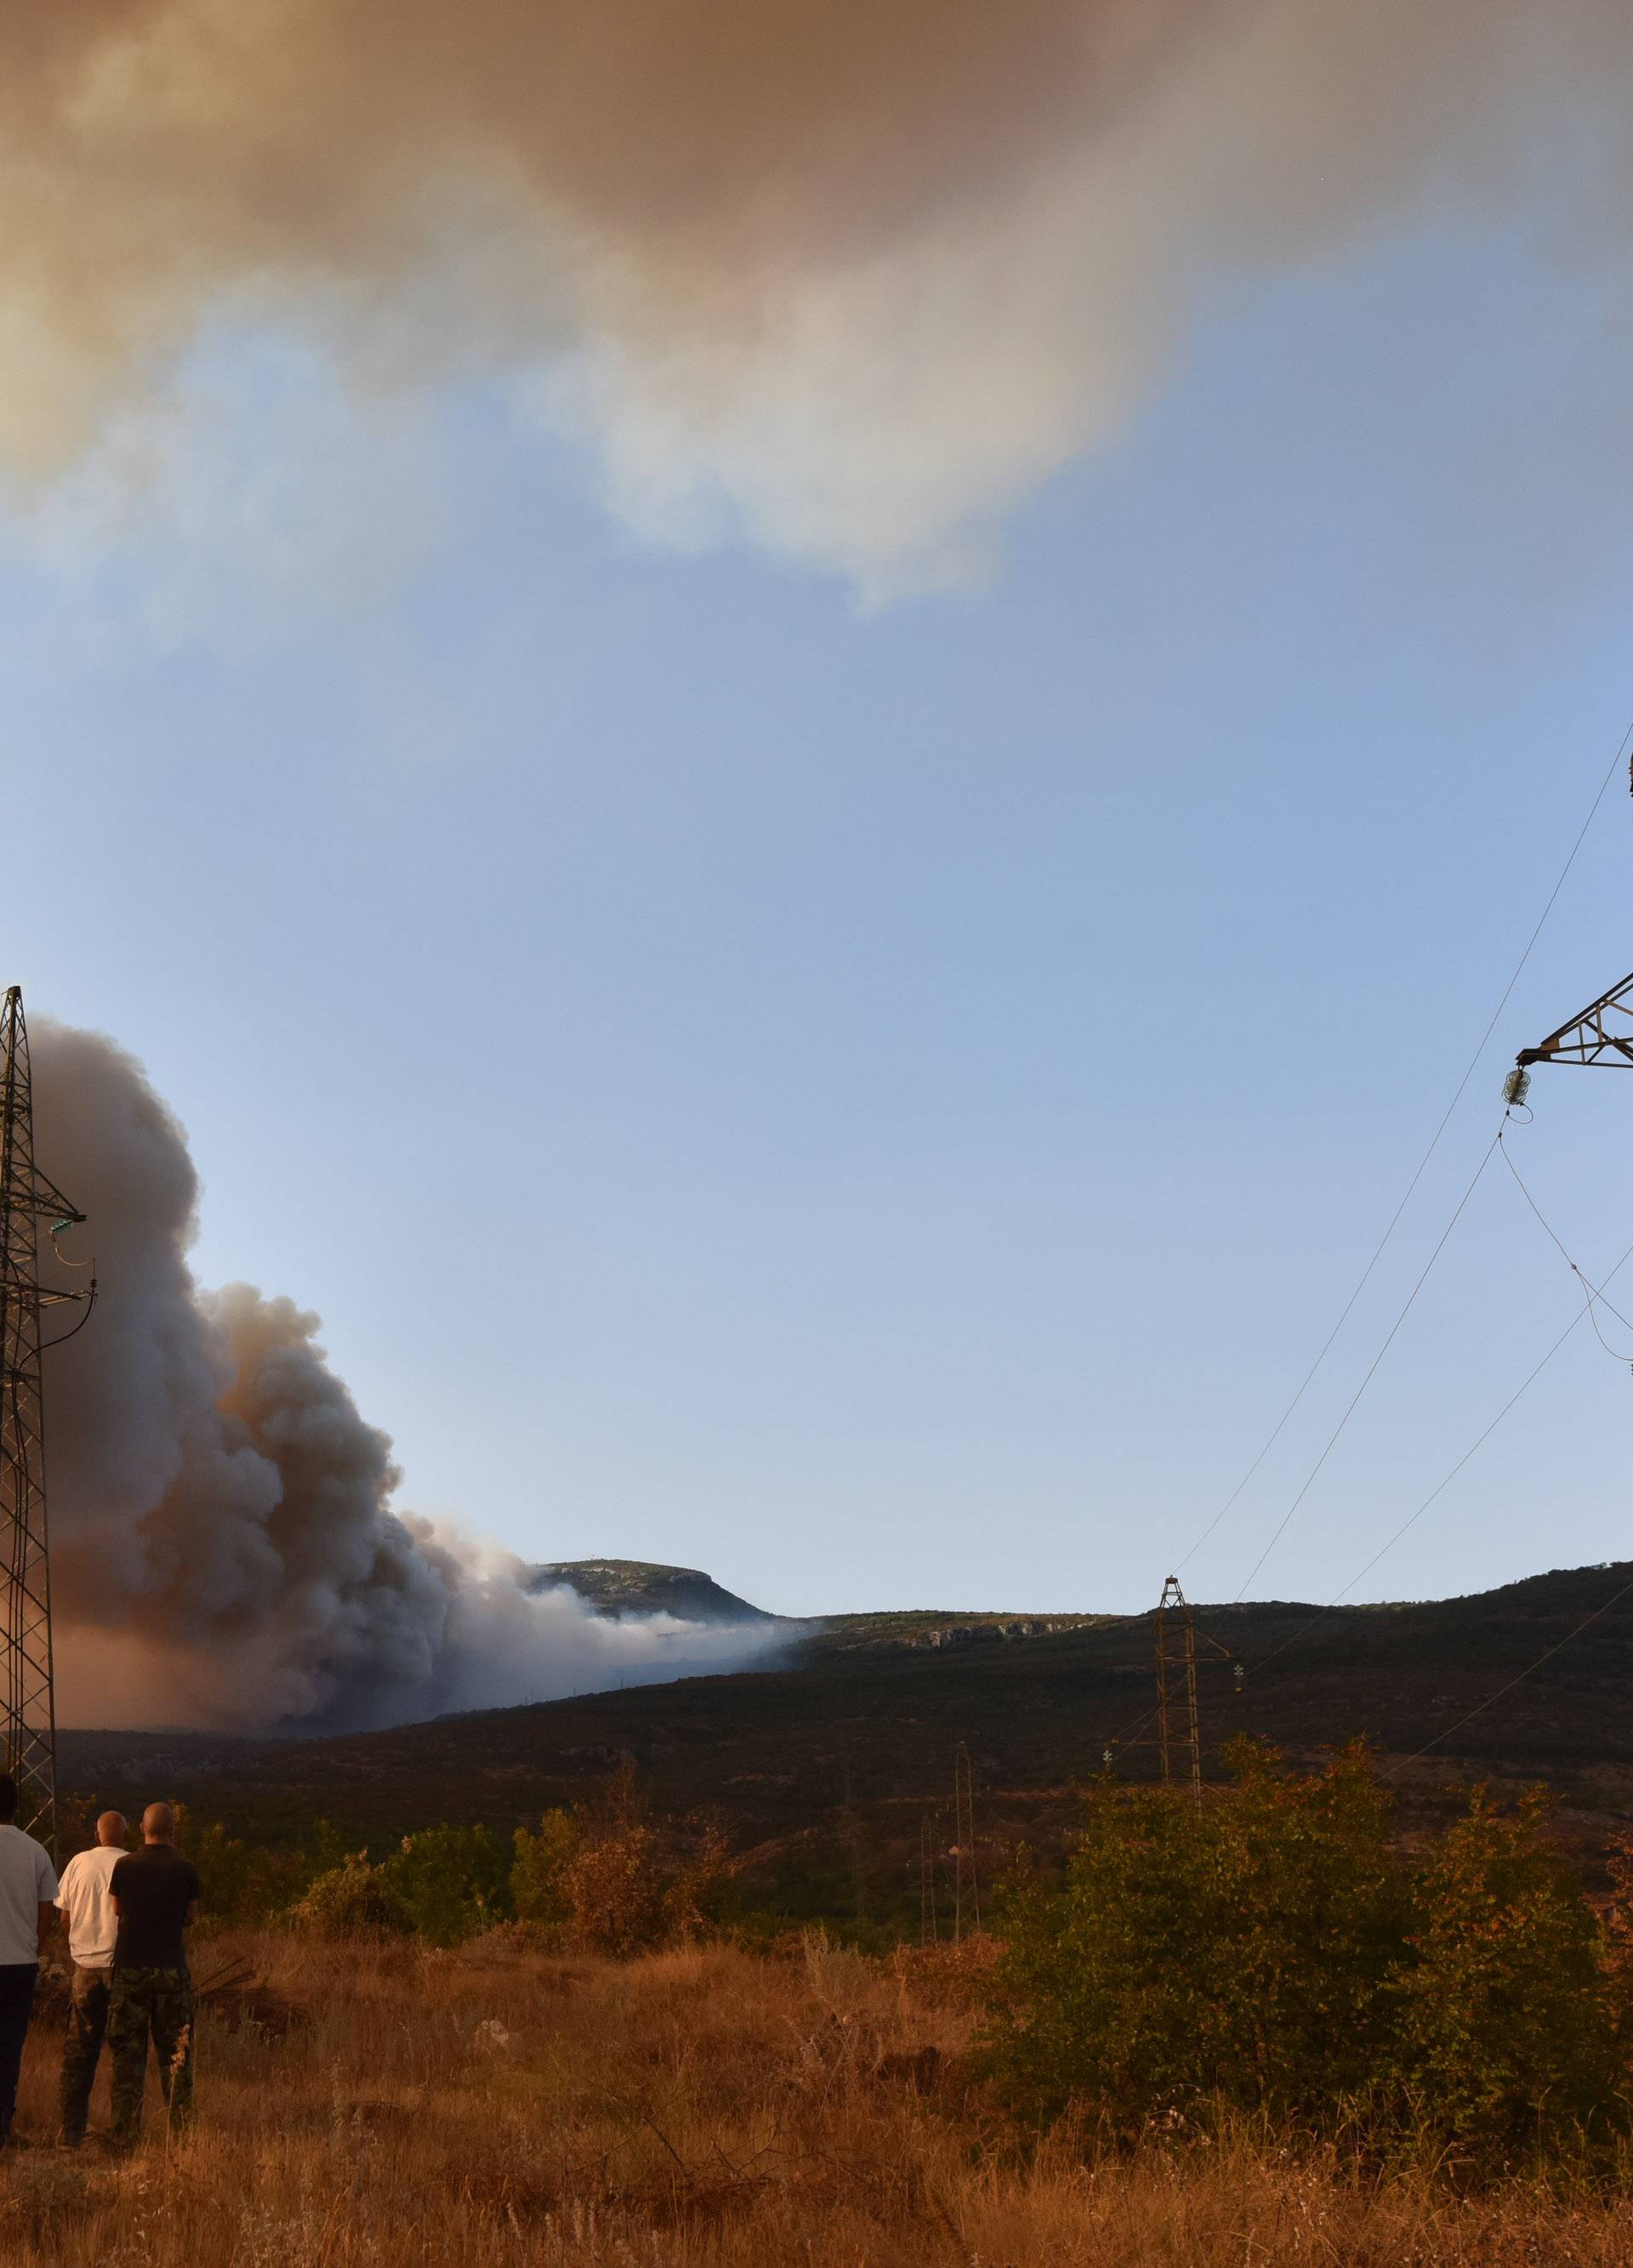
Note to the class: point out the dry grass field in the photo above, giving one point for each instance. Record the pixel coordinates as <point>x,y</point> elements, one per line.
<point>698,2109</point>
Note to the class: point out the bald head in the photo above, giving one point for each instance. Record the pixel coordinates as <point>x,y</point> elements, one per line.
<point>159,1824</point>
<point>111,1827</point>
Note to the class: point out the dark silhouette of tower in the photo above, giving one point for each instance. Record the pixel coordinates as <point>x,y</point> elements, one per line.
<point>28,1203</point>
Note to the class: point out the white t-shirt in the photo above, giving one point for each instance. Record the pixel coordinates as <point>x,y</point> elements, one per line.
<point>28,1881</point>
<point>93,1924</point>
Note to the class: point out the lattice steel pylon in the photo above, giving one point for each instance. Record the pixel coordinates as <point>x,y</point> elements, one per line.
<point>1178,1723</point>
<point>28,1201</point>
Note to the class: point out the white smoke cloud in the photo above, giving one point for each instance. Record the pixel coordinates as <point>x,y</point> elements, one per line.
<point>225,1544</point>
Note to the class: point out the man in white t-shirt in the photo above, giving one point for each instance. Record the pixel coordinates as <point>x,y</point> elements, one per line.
<point>92,1925</point>
<point>28,1886</point>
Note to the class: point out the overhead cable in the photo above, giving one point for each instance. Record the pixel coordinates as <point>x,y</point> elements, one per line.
<point>1333,1437</point>
<point>1491,1699</point>
<point>1593,1293</point>
<point>1422,1164</point>
<point>1440,1488</point>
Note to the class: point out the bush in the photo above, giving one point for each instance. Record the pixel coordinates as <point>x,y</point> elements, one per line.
<point>452,1880</point>
<point>1505,2023</point>
<point>613,1883</point>
<point>232,1884</point>
<point>598,1874</point>
<point>539,1874</point>
<point>1269,1951</point>
<point>1241,1950</point>
<point>354,1900</point>
<point>693,1888</point>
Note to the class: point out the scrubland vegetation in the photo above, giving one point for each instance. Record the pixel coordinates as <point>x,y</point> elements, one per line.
<point>1263,2033</point>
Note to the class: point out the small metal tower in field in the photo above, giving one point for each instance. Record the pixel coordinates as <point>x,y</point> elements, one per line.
<point>27,1201</point>
<point>1179,1725</point>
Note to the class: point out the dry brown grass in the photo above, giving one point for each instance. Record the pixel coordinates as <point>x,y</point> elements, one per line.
<point>707,2108</point>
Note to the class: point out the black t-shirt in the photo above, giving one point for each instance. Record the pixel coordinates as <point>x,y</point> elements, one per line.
<point>154,1886</point>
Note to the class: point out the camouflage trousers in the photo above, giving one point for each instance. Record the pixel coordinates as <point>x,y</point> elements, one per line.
<point>159,2001</point>
<point>82,2044</point>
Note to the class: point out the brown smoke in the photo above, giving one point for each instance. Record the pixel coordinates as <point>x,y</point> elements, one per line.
<point>225,1545</point>
<point>158,150</point>
<point>868,270</point>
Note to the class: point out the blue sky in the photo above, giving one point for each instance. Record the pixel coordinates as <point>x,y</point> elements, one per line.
<point>882,1099</point>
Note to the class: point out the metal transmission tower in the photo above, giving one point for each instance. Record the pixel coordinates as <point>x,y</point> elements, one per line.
<point>28,1201</point>
<point>1178,1723</point>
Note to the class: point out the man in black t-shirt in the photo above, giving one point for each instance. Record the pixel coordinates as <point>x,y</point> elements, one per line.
<point>155,1895</point>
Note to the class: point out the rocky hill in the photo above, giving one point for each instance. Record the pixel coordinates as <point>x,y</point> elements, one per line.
<point>645,1587</point>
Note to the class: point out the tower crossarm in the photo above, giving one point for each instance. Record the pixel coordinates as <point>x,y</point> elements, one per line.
<point>1602,1034</point>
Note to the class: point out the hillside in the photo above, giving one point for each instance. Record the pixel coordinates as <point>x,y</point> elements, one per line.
<point>644,1587</point>
<point>826,1769</point>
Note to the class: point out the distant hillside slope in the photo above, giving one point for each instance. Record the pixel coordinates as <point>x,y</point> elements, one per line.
<point>643,1587</point>
<point>827,1769</point>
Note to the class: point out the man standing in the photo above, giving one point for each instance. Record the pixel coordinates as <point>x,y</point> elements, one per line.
<point>88,1916</point>
<point>155,1895</point>
<point>27,1886</point>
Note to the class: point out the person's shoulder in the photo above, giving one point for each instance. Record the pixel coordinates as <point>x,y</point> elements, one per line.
<point>124,1859</point>
<point>17,1848</point>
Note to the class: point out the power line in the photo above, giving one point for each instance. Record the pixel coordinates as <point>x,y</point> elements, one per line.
<point>1422,1164</point>
<point>1440,1488</point>
<point>1593,1293</point>
<point>1491,1699</point>
<point>1125,1739</point>
<point>1333,1437</point>
<point>1367,1272</point>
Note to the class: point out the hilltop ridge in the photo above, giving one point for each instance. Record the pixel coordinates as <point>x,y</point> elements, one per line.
<point>645,1587</point>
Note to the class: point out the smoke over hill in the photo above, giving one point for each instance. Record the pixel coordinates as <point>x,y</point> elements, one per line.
<point>865,273</point>
<point>224,1544</point>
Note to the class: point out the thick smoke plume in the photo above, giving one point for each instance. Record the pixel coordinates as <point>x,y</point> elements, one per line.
<point>866,272</point>
<point>224,1544</point>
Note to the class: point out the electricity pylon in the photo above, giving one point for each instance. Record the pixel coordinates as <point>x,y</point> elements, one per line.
<point>28,1201</point>
<point>1178,1741</point>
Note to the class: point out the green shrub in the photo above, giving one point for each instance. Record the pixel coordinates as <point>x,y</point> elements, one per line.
<point>1269,1951</point>
<point>539,1874</point>
<point>453,1881</point>
<point>354,1900</point>
<point>1506,2027</point>
<point>1242,1950</point>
